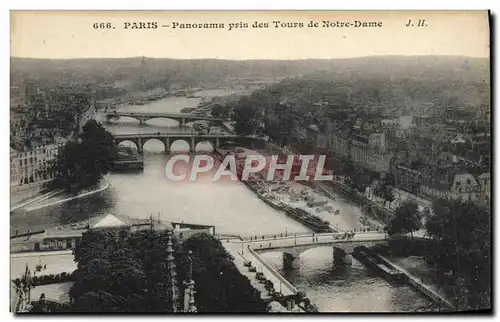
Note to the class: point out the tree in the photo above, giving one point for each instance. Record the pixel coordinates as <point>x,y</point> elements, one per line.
<point>220,287</point>
<point>407,219</point>
<point>383,190</point>
<point>99,301</point>
<point>246,117</point>
<point>220,111</point>
<point>131,275</point>
<point>461,231</point>
<point>82,164</point>
<point>387,193</point>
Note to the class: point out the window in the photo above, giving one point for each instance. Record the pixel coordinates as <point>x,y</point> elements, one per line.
<point>468,181</point>
<point>459,189</point>
<point>458,183</point>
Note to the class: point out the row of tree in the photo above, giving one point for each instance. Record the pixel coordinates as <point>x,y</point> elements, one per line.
<point>117,273</point>
<point>460,235</point>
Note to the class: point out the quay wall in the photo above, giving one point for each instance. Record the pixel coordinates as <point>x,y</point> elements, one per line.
<point>270,268</point>
<point>103,187</point>
<point>417,284</point>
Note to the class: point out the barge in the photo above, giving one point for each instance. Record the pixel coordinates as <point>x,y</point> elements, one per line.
<point>313,222</point>
<point>369,258</point>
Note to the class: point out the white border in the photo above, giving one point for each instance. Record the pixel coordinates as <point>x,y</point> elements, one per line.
<point>190,4</point>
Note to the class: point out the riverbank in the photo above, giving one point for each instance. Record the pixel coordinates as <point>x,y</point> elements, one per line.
<point>38,198</point>
<point>369,214</point>
<point>408,255</point>
<point>312,205</point>
<point>26,193</point>
<point>426,286</point>
<point>103,185</point>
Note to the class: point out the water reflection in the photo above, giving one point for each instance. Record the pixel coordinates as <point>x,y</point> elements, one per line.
<point>345,289</point>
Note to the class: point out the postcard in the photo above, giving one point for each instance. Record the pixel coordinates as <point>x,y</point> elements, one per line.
<point>250,162</point>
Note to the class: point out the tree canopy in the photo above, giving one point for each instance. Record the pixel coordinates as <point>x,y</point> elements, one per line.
<point>462,231</point>
<point>246,116</point>
<point>220,287</point>
<point>407,219</point>
<point>220,111</point>
<point>130,274</point>
<point>81,164</point>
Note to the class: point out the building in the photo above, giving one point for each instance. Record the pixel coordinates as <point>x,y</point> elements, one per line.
<point>369,152</point>
<point>440,181</point>
<point>14,168</point>
<point>67,237</point>
<point>485,188</point>
<point>458,139</point>
<point>33,165</point>
<point>465,187</point>
<point>390,123</point>
<point>408,179</point>
<point>52,297</point>
<point>340,145</point>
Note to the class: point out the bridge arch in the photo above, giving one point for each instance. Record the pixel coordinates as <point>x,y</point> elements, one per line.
<point>163,121</point>
<point>204,146</point>
<point>180,145</point>
<point>123,119</point>
<point>129,143</point>
<point>154,145</point>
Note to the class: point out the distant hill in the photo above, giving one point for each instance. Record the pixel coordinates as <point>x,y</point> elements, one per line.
<point>460,81</point>
<point>84,70</point>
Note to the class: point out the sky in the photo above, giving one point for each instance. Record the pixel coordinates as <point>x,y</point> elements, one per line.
<point>71,34</point>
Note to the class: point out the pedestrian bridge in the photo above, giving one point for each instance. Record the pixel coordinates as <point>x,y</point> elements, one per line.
<point>182,118</point>
<point>191,138</point>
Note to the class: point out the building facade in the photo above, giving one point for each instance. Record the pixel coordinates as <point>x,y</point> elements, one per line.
<point>33,165</point>
<point>484,188</point>
<point>437,183</point>
<point>368,152</point>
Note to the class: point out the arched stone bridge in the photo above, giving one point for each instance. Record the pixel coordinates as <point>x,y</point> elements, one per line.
<point>192,139</point>
<point>183,119</point>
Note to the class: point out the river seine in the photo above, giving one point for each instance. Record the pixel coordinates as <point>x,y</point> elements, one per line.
<point>232,209</point>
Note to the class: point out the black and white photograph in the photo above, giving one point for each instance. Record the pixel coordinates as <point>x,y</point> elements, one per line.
<point>300,162</point>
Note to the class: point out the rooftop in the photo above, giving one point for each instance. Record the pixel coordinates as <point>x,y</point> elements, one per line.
<point>109,221</point>
<point>485,175</point>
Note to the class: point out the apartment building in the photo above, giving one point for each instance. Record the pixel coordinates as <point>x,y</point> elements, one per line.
<point>33,165</point>
<point>368,151</point>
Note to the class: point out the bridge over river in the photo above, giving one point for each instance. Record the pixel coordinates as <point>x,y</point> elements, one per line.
<point>192,138</point>
<point>182,118</point>
<point>292,246</point>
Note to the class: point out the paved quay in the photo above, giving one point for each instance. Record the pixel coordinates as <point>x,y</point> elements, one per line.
<point>235,249</point>
<point>56,262</point>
